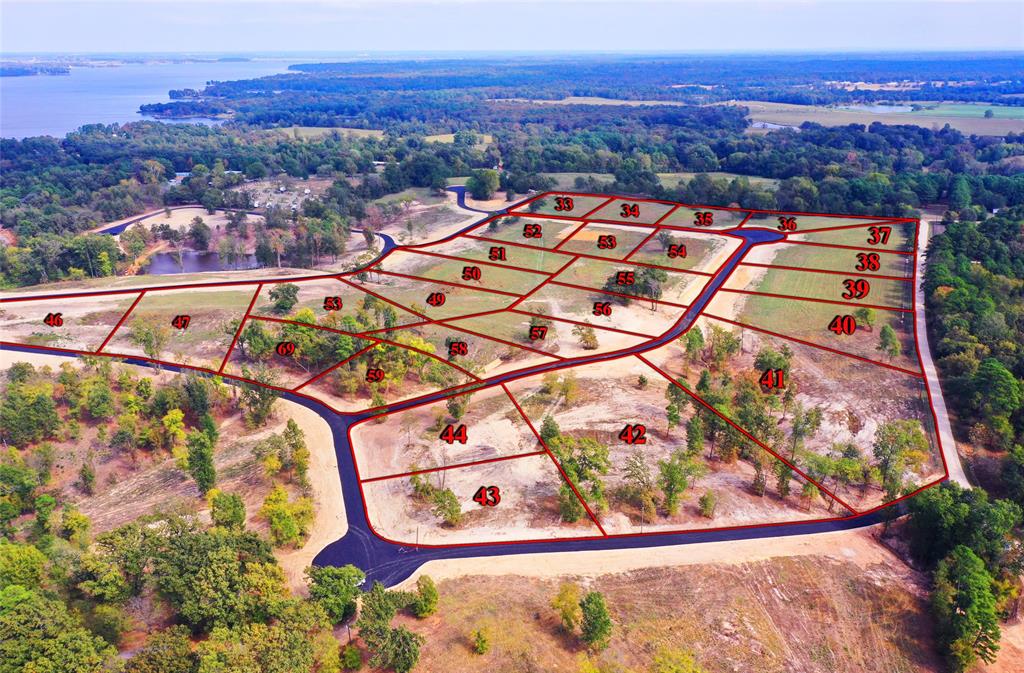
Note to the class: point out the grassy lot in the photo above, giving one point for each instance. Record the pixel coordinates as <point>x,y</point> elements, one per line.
<point>512,228</point>
<point>485,138</point>
<point>900,238</point>
<point>720,219</point>
<point>450,270</point>
<point>835,259</point>
<point>698,248</point>
<point>882,292</point>
<point>594,273</point>
<point>515,328</point>
<point>312,294</point>
<point>459,301</point>
<point>586,240</point>
<point>643,212</point>
<point>804,222</point>
<point>975,110</point>
<point>580,205</point>
<point>421,194</point>
<point>524,258</point>
<point>794,115</point>
<point>809,321</point>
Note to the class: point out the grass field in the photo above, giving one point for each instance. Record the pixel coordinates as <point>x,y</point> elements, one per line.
<point>673,179</point>
<point>699,248</point>
<point>592,237</point>
<point>421,194</point>
<point>571,205</point>
<point>458,301</point>
<point>975,110</point>
<point>537,259</point>
<point>901,237</point>
<point>313,293</point>
<point>794,115</point>
<point>636,212</point>
<point>449,270</point>
<point>485,138</point>
<point>804,222</point>
<point>882,292</point>
<point>514,229</point>
<point>827,259</point>
<point>720,219</point>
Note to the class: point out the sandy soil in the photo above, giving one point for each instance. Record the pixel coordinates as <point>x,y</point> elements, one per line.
<point>325,484</point>
<point>857,546</point>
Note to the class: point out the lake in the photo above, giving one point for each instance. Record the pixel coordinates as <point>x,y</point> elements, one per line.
<point>58,104</point>
<point>165,263</point>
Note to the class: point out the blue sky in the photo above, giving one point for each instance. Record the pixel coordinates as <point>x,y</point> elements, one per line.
<point>526,25</point>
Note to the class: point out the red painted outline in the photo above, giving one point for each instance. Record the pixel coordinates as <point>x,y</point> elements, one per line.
<point>121,321</point>
<point>585,324</point>
<point>818,300</point>
<point>849,274</point>
<point>812,344</point>
<point>551,455</point>
<point>330,369</point>
<point>642,243</point>
<point>473,386</point>
<point>746,434</point>
<point>241,325</point>
<point>453,466</point>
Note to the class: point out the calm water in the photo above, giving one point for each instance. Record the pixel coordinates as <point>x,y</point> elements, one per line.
<point>56,105</point>
<point>164,263</point>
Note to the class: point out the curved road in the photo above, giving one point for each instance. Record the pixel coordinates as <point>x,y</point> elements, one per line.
<point>391,562</point>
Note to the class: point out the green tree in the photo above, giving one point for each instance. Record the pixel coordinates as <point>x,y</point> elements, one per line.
<point>481,644</point>
<point>335,589</point>
<point>167,651</point>
<point>674,478</point>
<point>694,436</point>
<point>595,623</point>
<point>587,337</point>
<point>289,521</point>
<point>889,343</point>
<point>284,296</point>
<point>257,398</point>
<point>150,335</point>
<point>199,232</point>
<point>899,446</point>
<point>675,661</point>
<point>866,317</point>
<point>200,460</point>
<point>226,510</point>
<point>483,183</point>
<point>694,343</point>
<point>425,603</point>
<point>21,564</point>
<point>965,609</point>
<point>549,429</point>
<point>446,506</point>
<point>39,634</point>
<point>708,503</point>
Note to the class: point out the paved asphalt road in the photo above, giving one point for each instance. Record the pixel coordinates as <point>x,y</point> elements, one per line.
<point>949,453</point>
<point>391,562</point>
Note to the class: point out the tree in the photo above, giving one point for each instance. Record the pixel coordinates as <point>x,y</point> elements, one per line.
<point>567,603</point>
<point>21,564</point>
<point>226,509</point>
<point>447,506</point>
<point>41,635</point>
<point>483,183</point>
<point>694,435</point>
<point>965,609</point>
<point>596,623</point>
<point>889,343</point>
<point>150,335</point>
<point>257,398</point>
<point>200,460</point>
<point>167,651</point>
<point>335,589</point>
<point>199,232</point>
<point>866,317</point>
<point>425,603</point>
<point>289,521</point>
<point>675,661</point>
<point>672,416</point>
<point>586,336</point>
<point>549,429</point>
<point>694,343</point>
<point>674,478</point>
<point>899,445</point>
<point>284,296</point>
<point>481,644</point>
<point>708,504</point>
<point>1013,474</point>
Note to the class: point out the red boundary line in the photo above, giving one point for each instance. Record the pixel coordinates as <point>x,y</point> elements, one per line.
<point>611,260</point>
<point>554,460</point>
<point>849,247</point>
<point>848,274</point>
<point>862,225</point>
<point>813,345</point>
<point>816,300</point>
<point>547,280</point>
<point>690,205</point>
<point>454,466</point>
<point>635,297</point>
<point>443,282</point>
<point>578,322</point>
<point>568,238</point>
<point>624,223</point>
<point>121,321</point>
<point>744,432</point>
<point>330,369</point>
<point>644,242</point>
<point>379,340</point>
<point>494,338</point>
<point>241,325</point>
<point>475,261</point>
